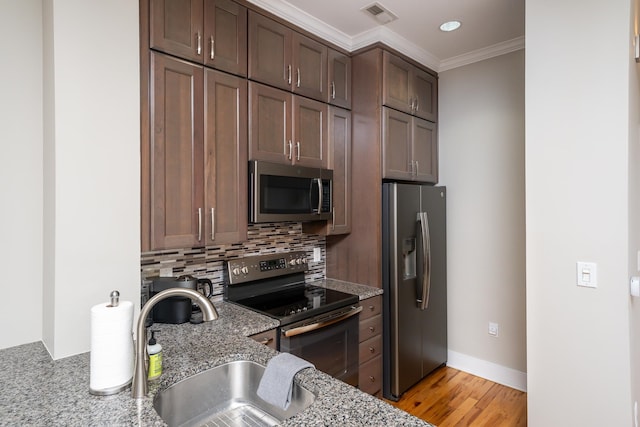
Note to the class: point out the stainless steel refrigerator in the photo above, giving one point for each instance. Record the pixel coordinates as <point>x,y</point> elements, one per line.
<point>414,270</point>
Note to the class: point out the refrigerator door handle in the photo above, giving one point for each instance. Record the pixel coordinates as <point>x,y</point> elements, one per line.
<point>423,221</point>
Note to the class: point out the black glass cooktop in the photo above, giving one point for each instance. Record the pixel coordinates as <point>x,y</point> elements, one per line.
<point>299,303</point>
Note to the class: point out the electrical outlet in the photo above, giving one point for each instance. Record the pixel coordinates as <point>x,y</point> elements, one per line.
<point>317,254</point>
<point>166,272</point>
<point>493,329</point>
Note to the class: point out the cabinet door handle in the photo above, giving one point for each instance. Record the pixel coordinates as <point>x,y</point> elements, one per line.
<point>198,43</point>
<point>333,90</point>
<point>199,224</point>
<point>289,74</point>
<point>290,150</point>
<point>333,218</point>
<point>213,224</point>
<point>417,167</point>
<point>212,53</point>
<point>372,378</point>
<point>417,104</point>
<point>411,105</point>
<point>372,329</point>
<point>265,341</point>
<point>298,149</point>
<point>298,79</point>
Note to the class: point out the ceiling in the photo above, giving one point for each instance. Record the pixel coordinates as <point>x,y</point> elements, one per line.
<point>489,27</point>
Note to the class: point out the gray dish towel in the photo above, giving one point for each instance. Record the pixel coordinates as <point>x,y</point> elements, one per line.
<point>276,384</point>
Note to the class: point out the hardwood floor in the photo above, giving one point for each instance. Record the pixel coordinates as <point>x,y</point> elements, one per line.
<point>449,397</point>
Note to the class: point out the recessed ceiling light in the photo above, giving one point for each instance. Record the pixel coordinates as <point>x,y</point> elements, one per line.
<point>450,26</point>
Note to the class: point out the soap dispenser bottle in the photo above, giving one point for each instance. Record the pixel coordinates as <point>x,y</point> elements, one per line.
<point>155,357</point>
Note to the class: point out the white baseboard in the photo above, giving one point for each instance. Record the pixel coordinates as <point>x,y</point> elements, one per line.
<point>489,370</point>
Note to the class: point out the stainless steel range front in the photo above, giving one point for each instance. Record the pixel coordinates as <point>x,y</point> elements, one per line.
<point>317,324</point>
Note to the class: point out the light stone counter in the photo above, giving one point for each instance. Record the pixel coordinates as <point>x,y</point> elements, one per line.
<point>37,391</point>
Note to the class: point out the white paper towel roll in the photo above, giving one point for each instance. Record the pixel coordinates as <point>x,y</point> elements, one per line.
<point>111,361</point>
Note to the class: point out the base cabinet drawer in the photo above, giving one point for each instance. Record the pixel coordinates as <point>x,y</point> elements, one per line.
<point>370,377</point>
<point>370,348</point>
<point>267,338</point>
<point>370,327</point>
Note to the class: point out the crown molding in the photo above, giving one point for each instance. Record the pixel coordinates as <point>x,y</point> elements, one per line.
<point>305,21</point>
<point>482,54</point>
<point>382,34</point>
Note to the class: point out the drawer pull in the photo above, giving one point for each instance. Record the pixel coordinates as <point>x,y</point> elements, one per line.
<point>265,340</point>
<point>372,329</point>
<point>372,350</point>
<point>372,307</point>
<point>372,378</point>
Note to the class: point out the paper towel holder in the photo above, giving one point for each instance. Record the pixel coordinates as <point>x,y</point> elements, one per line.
<point>115,301</point>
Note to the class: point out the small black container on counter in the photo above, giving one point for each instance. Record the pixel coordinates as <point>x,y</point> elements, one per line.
<point>175,309</point>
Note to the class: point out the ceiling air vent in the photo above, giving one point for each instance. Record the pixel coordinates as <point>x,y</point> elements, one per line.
<point>380,13</point>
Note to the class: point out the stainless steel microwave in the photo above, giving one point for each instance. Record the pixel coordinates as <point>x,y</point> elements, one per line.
<point>280,193</point>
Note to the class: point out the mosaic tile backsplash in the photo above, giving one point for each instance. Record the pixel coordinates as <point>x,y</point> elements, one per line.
<point>262,239</point>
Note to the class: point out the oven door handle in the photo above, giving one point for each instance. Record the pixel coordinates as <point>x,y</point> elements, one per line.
<point>319,325</point>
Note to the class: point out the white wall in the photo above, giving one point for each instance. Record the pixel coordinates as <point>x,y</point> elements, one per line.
<point>92,164</point>
<point>481,132</point>
<point>577,209</point>
<point>21,171</point>
<point>634,208</point>
<point>58,264</point>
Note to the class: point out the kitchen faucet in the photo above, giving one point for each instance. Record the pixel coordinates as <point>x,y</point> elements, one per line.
<point>140,387</point>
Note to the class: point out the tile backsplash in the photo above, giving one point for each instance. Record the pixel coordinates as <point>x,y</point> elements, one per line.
<point>208,262</point>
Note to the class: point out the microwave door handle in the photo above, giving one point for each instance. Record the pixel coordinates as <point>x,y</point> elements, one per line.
<point>319,181</point>
<point>423,221</point>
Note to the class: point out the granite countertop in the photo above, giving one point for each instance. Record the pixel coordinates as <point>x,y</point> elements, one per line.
<point>363,291</point>
<point>36,390</point>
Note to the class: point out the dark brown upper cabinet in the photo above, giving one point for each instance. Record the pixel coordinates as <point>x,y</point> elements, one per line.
<point>409,147</point>
<point>339,79</point>
<point>198,143</point>
<point>408,88</point>
<point>281,57</point>
<point>285,128</point>
<point>209,32</point>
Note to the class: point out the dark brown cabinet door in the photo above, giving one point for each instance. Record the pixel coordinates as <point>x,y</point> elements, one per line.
<point>397,144</point>
<point>177,192</point>
<point>339,79</point>
<point>210,32</point>
<point>270,125</point>
<point>310,132</point>
<point>340,163</point>
<point>309,64</point>
<point>225,33</point>
<point>408,88</point>
<point>425,88</point>
<point>269,52</point>
<point>425,151</point>
<point>176,27</point>
<point>225,158</point>
<point>396,85</point>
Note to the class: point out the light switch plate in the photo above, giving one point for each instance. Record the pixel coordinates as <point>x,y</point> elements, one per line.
<point>317,254</point>
<point>587,274</point>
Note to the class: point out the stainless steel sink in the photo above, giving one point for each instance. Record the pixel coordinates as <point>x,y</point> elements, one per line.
<point>225,396</point>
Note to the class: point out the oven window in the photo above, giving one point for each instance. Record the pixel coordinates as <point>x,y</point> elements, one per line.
<point>282,195</point>
<point>333,349</point>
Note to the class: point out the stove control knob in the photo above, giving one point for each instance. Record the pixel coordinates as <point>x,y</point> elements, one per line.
<point>292,262</point>
<point>235,271</point>
<point>304,260</point>
<point>245,270</point>
<point>298,261</point>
